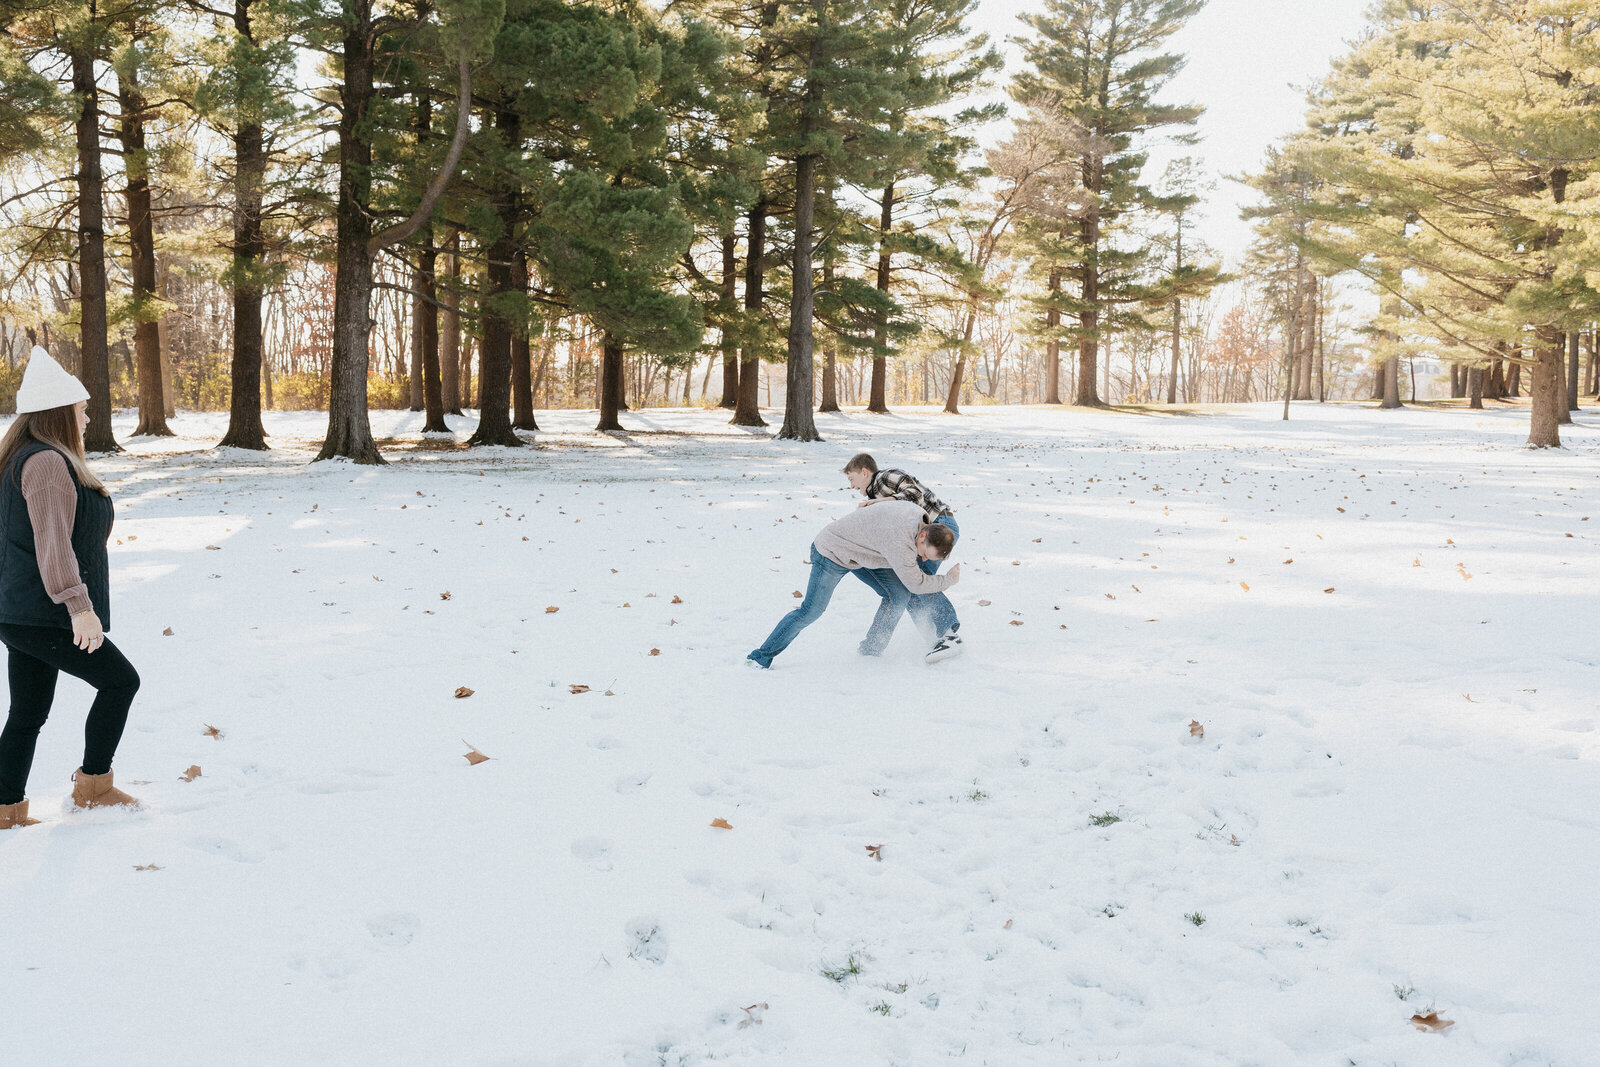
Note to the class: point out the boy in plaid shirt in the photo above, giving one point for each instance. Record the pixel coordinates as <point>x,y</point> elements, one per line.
<point>933,611</point>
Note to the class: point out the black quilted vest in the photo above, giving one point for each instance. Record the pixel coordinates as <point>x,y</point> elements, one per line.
<point>23,600</point>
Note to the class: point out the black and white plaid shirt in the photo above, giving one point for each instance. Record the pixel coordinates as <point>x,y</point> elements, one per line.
<point>898,485</point>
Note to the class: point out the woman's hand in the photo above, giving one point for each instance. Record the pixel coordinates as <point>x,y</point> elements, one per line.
<point>86,631</point>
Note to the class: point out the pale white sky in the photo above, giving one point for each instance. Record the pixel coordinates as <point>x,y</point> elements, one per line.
<point>1248,63</point>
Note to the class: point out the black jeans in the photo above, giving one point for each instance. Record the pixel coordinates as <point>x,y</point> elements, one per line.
<point>38,654</point>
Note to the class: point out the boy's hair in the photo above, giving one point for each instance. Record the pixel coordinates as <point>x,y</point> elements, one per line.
<point>940,539</point>
<point>861,462</point>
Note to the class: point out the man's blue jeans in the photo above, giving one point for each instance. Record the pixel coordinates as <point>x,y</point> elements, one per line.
<point>825,577</point>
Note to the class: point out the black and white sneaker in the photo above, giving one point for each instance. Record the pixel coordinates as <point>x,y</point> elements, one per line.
<point>947,646</point>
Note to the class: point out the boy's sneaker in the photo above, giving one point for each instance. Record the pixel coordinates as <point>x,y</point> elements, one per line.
<point>947,646</point>
<point>754,664</point>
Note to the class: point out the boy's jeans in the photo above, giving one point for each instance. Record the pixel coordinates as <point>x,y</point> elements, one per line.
<point>934,612</point>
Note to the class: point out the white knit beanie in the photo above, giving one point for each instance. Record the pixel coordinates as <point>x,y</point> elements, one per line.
<point>45,385</point>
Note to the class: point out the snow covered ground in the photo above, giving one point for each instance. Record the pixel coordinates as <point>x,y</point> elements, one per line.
<point>1383,622</point>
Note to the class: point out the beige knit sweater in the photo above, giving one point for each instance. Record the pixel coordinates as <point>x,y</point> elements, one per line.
<point>881,535</point>
<point>52,499</point>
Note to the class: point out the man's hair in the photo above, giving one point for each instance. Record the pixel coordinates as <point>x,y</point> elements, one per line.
<point>861,462</point>
<point>940,539</point>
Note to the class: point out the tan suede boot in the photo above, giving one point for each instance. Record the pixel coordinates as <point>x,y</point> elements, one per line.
<point>96,791</point>
<point>16,815</point>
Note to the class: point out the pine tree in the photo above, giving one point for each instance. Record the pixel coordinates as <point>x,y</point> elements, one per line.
<point>353,30</point>
<point>1191,276</point>
<point>84,34</point>
<point>1095,69</point>
<point>917,148</point>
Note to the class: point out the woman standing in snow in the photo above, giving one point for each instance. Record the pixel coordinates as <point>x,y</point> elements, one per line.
<point>55,519</point>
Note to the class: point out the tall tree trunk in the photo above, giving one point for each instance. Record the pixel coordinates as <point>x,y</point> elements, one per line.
<point>1052,347</point>
<point>730,305</point>
<point>1307,317</point>
<point>830,354</point>
<point>611,355</point>
<point>96,358</point>
<point>521,356</point>
<point>1177,321</point>
<point>248,372</point>
<point>428,296</point>
<point>952,398</point>
<point>1292,337</point>
<point>798,422</point>
<point>1549,398</point>
<point>1089,281</point>
<point>142,254</point>
<point>422,126</point>
<point>878,401</point>
<point>163,331</point>
<point>1514,381</point>
<point>1494,386</point>
<point>1391,384</point>
<point>450,331</point>
<point>747,412</point>
<point>1572,373</point>
<point>499,282</point>
<point>349,428</point>
<point>414,370</point>
<point>1475,388</point>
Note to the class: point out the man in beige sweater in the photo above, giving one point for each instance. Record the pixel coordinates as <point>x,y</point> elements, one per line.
<point>882,545</point>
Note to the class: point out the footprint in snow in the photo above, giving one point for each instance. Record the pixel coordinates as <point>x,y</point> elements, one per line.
<point>645,939</point>
<point>594,851</point>
<point>632,783</point>
<point>395,930</point>
<point>226,848</point>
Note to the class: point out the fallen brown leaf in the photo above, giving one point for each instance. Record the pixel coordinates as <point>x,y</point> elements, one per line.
<point>1431,1023</point>
<point>798,595</point>
<point>212,731</point>
<point>655,652</point>
<point>576,689</point>
<point>677,599</point>
<point>1328,590</point>
<point>551,610</point>
<point>1195,729</point>
<point>1007,926</point>
<point>876,852</point>
<point>752,1017</point>
<point>462,692</point>
<point>167,632</point>
<point>1245,586</point>
<point>192,773</point>
<point>1016,622</point>
<point>722,824</point>
<point>445,595</point>
<point>213,548</point>
<point>984,603</point>
<point>473,756</point>
<point>147,867</point>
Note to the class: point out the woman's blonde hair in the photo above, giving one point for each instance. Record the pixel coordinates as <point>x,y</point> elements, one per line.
<point>58,428</point>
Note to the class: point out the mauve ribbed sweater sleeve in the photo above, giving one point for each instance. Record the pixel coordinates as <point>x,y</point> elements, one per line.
<point>52,508</point>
